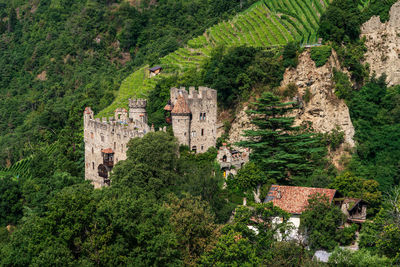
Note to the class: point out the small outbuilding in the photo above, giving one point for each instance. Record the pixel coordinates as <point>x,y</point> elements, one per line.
<point>154,71</point>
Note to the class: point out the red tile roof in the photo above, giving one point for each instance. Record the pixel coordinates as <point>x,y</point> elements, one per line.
<point>181,107</point>
<point>168,107</point>
<point>294,199</point>
<point>88,110</point>
<point>107,151</point>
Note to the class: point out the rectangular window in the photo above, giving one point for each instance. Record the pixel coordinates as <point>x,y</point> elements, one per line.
<point>202,132</point>
<point>115,146</point>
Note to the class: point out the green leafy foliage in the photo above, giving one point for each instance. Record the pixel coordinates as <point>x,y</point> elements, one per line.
<point>321,54</point>
<point>360,258</point>
<point>352,186</point>
<point>320,222</point>
<point>373,111</point>
<point>341,21</point>
<point>10,200</point>
<point>343,87</point>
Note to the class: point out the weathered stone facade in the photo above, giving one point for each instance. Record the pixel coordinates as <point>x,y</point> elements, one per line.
<point>194,117</point>
<point>106,140</point>
<point>231,160</point>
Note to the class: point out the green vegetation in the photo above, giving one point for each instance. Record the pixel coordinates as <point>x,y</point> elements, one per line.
<point>263,24</point>
<point>320,221</point>
<point>281,150</point>
<point>168,206</point>
<point>321,54</point>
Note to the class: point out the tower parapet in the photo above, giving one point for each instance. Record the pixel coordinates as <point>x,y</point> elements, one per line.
<point>137,110</point>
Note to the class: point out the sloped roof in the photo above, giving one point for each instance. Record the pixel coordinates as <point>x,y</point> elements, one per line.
<point>155,68</point>
<point>181,107</point>
<point>168,107</point>
<point>107,151</point>
<point>294,199</point>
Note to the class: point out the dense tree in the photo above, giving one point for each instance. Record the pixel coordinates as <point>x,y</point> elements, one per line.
<point>194,226</point>
<point>10,200</point>
<point>278,148</point>
<point>320,222</point>
<point>341,21</point>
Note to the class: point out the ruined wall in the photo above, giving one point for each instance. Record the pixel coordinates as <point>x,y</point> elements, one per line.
<point>383,44</point>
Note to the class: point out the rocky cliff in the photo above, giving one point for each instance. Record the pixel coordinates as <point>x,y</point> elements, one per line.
<point>383,44</point>
<point>323,109</point>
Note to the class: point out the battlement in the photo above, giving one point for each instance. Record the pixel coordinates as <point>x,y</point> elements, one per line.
<point>137,103</point>
<point>202,93</point>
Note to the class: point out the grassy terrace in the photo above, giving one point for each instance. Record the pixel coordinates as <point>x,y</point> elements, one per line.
<point>266,23</point>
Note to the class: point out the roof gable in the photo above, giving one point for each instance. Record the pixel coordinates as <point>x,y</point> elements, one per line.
<point>294,199</point>
<point>181,107</point>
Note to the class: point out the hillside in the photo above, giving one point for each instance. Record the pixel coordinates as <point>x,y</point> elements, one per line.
<point>266,23</point>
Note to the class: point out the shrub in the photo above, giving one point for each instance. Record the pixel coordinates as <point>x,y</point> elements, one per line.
<point>333,139</point>
<point>307,95</point>
<point>343,88</point>
<point>321,54</point>
<point>290,90</point>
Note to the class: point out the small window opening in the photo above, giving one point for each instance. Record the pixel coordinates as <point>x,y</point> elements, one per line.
<point>202,132</point>
<point>115,145</point>
<point>102,138</point>
<point>91,135</point>
<point>93,165</point>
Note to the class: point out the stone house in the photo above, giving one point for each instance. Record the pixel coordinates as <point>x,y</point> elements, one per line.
<point>231,160</point>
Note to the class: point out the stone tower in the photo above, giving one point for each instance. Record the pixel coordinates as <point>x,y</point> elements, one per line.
<point>194,117</point>
<point>181,117</point>
<point>137,110</point>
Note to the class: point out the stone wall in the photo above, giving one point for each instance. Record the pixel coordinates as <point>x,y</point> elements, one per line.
<point>113,133</point>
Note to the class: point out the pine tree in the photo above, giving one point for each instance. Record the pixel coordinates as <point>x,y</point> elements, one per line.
<point>280,149</point>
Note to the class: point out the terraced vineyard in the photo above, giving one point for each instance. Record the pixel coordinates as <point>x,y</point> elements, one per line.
<point>266,23</point>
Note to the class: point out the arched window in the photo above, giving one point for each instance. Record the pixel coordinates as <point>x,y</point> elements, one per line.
<point>224,158</point>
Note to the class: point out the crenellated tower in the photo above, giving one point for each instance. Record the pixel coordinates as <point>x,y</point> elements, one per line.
<point>137,110</point>
<point>194,117</point>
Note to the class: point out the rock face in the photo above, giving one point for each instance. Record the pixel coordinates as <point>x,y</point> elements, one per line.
<point>383,44</point>
<point>324,110</point>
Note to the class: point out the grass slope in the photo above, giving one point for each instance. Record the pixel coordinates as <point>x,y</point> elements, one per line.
<point>266,23</point>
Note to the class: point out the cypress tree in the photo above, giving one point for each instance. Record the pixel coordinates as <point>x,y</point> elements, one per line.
<point>280,149</point>
<point>12,20</point>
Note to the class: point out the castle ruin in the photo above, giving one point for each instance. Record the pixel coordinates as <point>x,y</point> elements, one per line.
<point>193,116</point>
